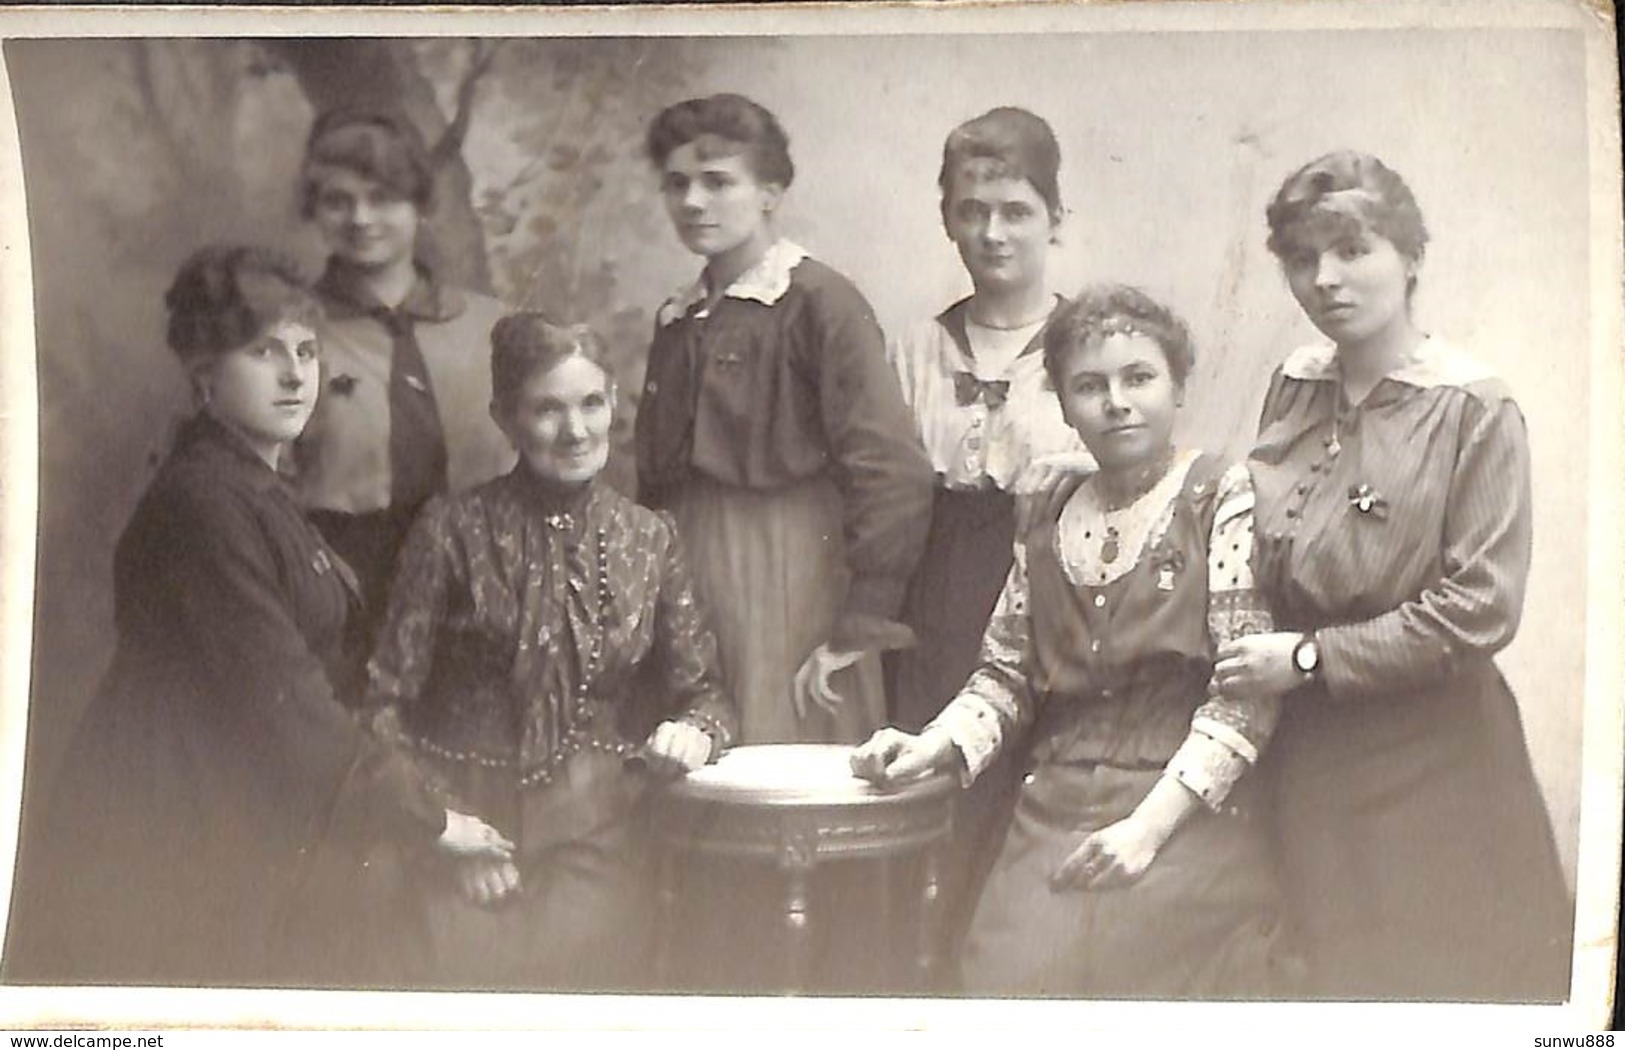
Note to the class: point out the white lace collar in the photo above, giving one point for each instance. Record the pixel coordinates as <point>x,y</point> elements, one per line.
<point>1434,362</point>
<point>765,283</point>
<point>1085,524</point>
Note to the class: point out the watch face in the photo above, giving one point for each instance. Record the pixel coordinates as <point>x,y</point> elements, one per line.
<point>1306,656</point>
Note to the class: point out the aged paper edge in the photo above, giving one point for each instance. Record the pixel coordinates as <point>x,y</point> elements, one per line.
<point>1603,732</point>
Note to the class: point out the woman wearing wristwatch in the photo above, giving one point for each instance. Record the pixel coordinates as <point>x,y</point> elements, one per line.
<point>1393,539</point>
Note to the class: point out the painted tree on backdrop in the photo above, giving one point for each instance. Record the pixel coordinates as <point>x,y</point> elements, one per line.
<point>338,72</point>
<point>190,141</point>
<point>562,191</point>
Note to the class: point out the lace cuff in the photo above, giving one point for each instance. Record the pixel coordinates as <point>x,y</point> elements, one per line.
<point>973,725</point>
<point>1208,768</point>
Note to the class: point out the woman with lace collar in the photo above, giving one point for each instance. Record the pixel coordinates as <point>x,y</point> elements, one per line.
<point>773,430</point>
<point>1135,865</point>
<point>543,649</point>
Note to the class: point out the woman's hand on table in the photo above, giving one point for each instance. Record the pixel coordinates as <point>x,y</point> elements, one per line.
<point>676,748</point>
<point>469,836</point>
<point>812,683</point>
<point>892,756</point>
<point>1257,666</point>
<point>1111,858</point>
<point>486,882</point>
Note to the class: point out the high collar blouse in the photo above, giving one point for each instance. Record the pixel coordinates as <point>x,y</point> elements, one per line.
<point>1398,527</point>
<point>521,619</point>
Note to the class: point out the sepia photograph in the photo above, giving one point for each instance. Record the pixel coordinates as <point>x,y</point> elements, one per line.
<point>904,516</point>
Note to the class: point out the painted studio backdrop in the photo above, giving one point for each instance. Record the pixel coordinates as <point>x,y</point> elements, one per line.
<point>137,151</point>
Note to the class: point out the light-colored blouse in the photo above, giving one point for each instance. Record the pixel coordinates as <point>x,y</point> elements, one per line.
<point>981,428</point>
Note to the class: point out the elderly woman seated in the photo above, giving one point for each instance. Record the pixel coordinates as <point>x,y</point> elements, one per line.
<point>539,624</point>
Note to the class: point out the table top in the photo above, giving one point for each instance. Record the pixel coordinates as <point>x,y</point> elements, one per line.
<point>798,775</point>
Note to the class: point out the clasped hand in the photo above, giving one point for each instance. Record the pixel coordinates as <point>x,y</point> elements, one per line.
<point>1257,666</point>
<point>469,836</point>
<point>483,857</point>
<point>487,882</point>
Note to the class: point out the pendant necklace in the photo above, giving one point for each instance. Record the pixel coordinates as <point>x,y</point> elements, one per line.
<point>1108,546</point>
<point>1111,542</point>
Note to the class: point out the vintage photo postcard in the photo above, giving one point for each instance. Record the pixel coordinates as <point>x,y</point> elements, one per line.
<point>864,516</point>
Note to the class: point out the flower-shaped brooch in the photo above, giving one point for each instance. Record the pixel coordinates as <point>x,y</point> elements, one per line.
<point>1367,500</point>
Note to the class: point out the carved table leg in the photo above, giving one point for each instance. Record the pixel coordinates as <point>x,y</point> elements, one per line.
<point>796,859</point>
<point>930,932</point>
<point>886,919</point>
<point>665,916</point>
<point>798,926</point>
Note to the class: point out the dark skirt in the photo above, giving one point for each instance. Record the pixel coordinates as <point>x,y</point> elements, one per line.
<point>1416,851</point>
<point>966,560</point>
<point>1202,922</point>
<point>157,867</point>
<point>582,919</point>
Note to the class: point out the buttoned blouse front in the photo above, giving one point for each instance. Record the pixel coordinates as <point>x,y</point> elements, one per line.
<point>1115,653</point>
<point>781,379</point>
<point>520,630</point>
<point>1399,527</point>
<point>975,444</point>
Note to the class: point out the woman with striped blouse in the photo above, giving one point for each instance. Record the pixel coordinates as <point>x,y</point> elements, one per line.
<point>1393,538</point>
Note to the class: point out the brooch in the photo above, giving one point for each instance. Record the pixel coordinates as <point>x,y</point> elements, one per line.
<point>1367,500</point>
<point>1168,567</point>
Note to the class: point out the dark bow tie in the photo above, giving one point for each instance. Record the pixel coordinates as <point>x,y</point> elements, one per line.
<point>967,388</point>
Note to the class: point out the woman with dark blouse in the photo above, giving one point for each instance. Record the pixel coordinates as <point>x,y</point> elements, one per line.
<point>1392,472</point>
<point>1136,864</point>
<point>772,428</point>
<point>543,649</point>
<point>218,798</point>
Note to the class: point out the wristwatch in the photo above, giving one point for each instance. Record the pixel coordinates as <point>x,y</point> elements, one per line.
<point>1306,656</point>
